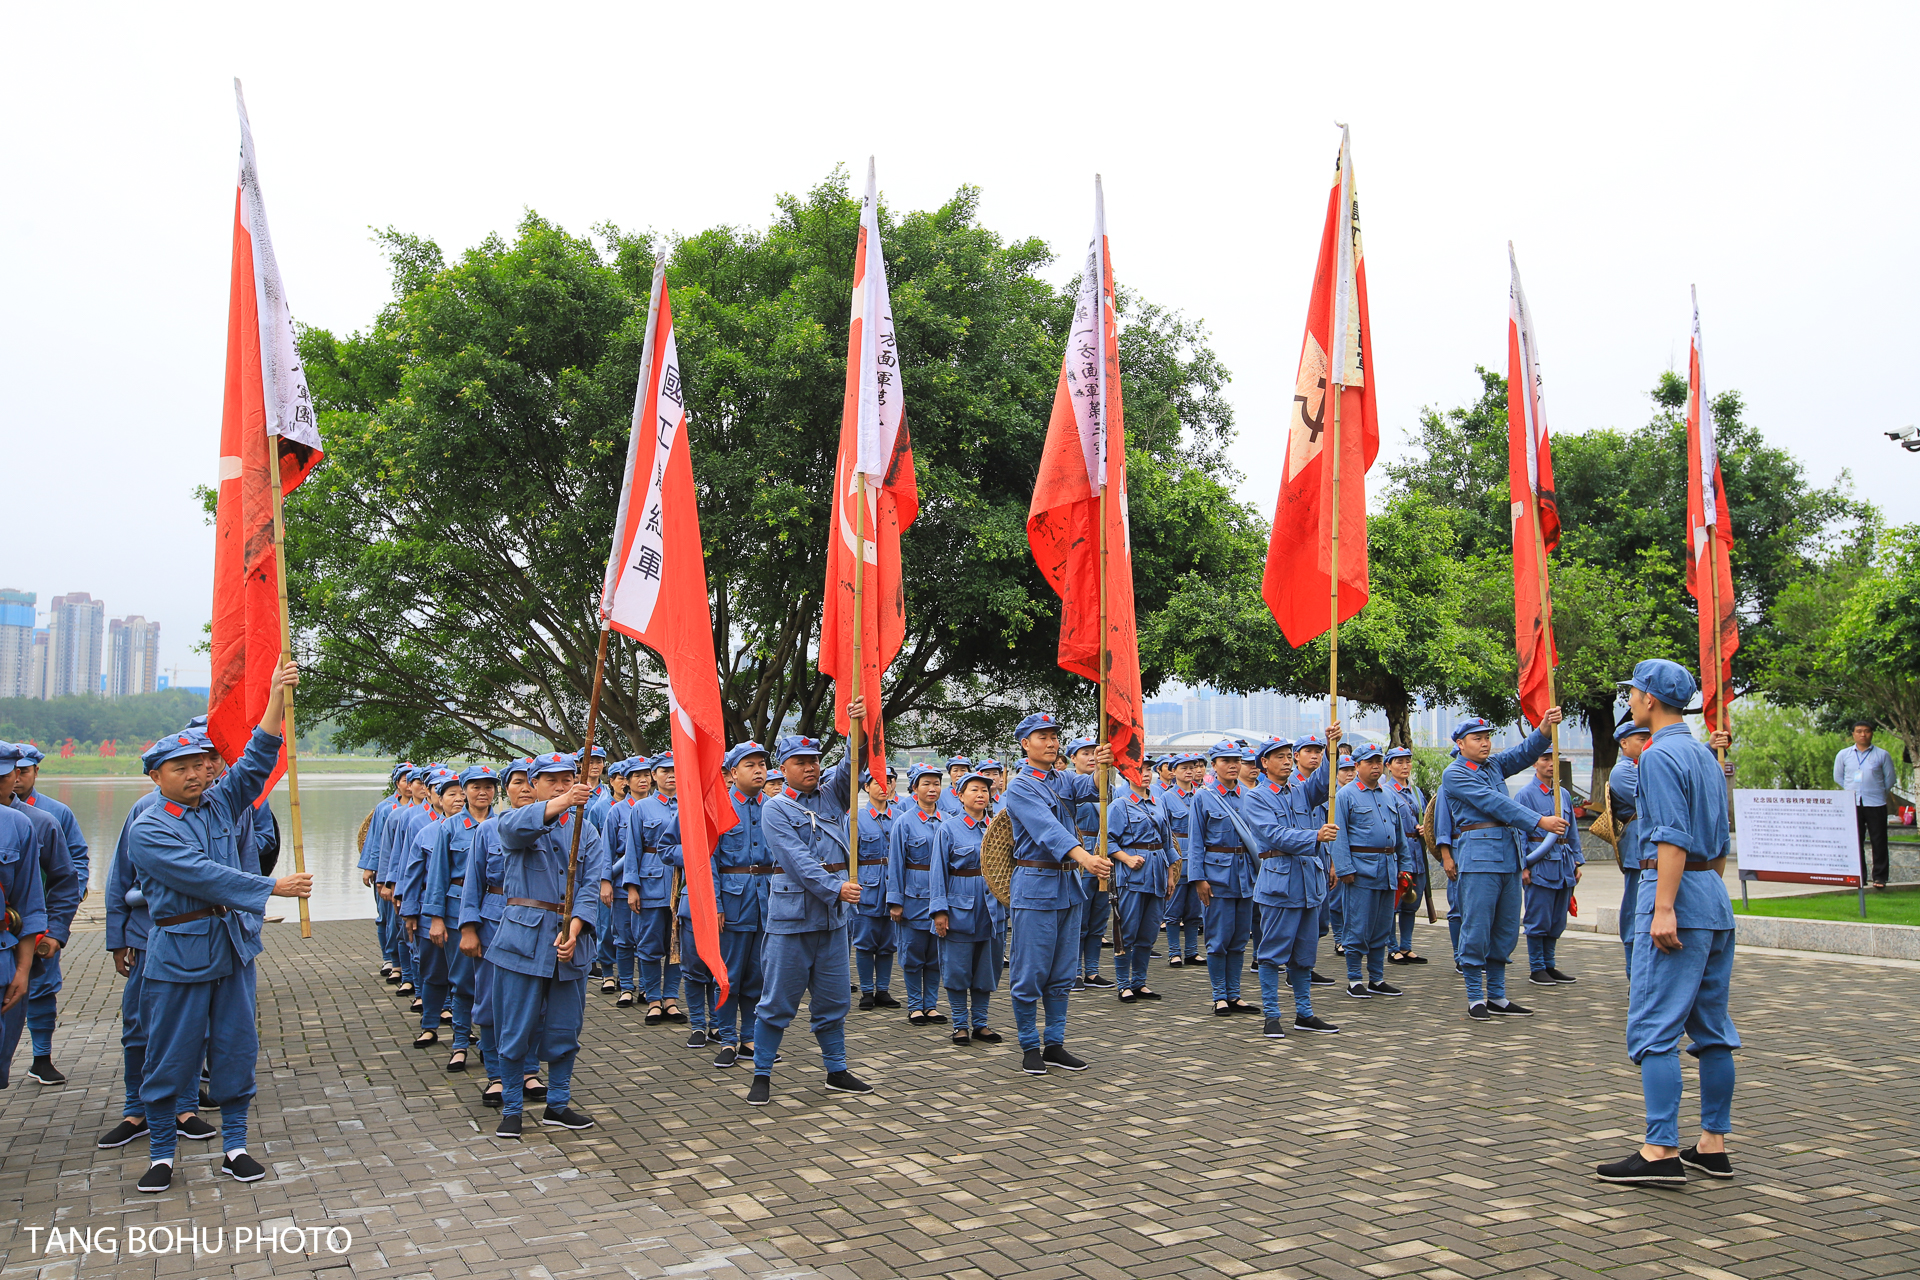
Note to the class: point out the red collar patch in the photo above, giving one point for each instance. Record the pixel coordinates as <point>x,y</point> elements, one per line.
<point>1038,773</point>
<point>970,820</point>
<point>173,808</point>
<point>30,798</point>
<point>928,817</point>
<point>1470,764</point>
<point>566,817</point>
<point>468,819</point>
<point>1545,790</point>
<point>790,793</point>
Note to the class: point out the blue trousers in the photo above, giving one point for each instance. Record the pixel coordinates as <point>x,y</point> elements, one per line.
<point>1183,916</point>
<point>1489,928</point>
<point>1289,943</point>
<point>386,923</point>
<point>1368,915</point>
<point>1139,926</point>
<point>42,989</point>
<point>1453,915</point>
<point>446,975</point>
<point>1332,915</point>
<point>1046,955</point>
<point>1544,920</point>
<point>603,930</point>
<point>1409,914</point>
<point>1093,927</point>
<point>626,926</point>
<point>133,1046</point>
<point>970,972</point>
<point>1676,993</point>
<point>652,930</point>
<point>536,1018</point>
<point>187,1023</point>
<point>1229,925</point>
<point>814,963</point>
<point>920,963</point>
<point>874,944</point>
<point>403,954</point>
<point>14,1021</point>
<point>1629,908</point>
<point>740,951</point>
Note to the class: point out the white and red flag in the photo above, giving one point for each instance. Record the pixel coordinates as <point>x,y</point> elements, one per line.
<point>1709,540</point>
<point>875,494</point>
<point>656,592</point>
<point>1535,515</point>
<point>1085,454</point>
<point>1337,349</point>
<point>266,407</point>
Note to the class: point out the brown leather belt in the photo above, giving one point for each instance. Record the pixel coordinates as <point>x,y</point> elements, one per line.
<point>751,869</point>
<point>1478,826</point>
<point>873,862</point>
<point>190,916</point>
<point>833,866</point>
<point>1226,848</point>
<point>495,890</point>
<point>1369,848</point>
<point>917,866</point>
<point>1716,866</point>
<point>534,902</point>
<point>965,871</point>
<point>1039,865</point>
<point>461,882</point>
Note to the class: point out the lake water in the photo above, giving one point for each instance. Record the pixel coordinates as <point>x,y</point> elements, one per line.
<point>331,807</point>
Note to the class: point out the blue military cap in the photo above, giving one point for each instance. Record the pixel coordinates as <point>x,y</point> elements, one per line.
<point>795,744</point>
<point>442,779</point>
<point>959,761</point>
<point>198,722</point>
<point>989,763</point>
<point>399,770</point>
<point>523,765</point>
<point>552,762</point>
<point>30,755</point>
<point>1079,744</point>
<point>1627,728</point>
<point>10,758</point>
<point>1225,747</point>
<point>918,772</point>
<point>1250,752</point>
<point>662,761</point>
<point>422,772</point>
<point>1366,751</point>
<point>974,776</point>
<point>1033,724</point>
<point>866,775</point>
<point>1306,740</point>
<point>1472,724</point>
<point>620,768</point>
<point>599,752</point>
<point>1668,681</point>
<point>478,773</point>
<point>187,742</point>
<point>741,750</point>
<point>1398,753</point>
<point>1270,746</point>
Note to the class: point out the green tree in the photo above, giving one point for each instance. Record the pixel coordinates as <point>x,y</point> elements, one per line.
<point>1782,748</point>
<point>447,557</point>
<point>132,721</point>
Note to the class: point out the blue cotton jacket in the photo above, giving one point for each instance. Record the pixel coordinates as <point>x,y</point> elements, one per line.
<point>1372,844</point>
<point>1138,827</point>
<point>1040,805</point>
<point>127,926</point>
<point>1478,793</point>
<point>806,834</point>
<point>1683,801</point>
<point>535,853</point>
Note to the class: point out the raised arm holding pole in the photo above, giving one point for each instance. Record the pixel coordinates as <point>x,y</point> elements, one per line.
<point>286,656</point>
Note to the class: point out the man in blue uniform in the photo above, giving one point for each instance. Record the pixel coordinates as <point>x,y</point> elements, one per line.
<point>539,956</point>
<point>911,846</point>
<point>1683,938</point>
<point>871,927</point>
<point>483,904</point>
<point>648,882</point>
<point>1623,791</point>
<point>23,904</point>
<point>1309,790</point>
<point>1140,840</point>
<point>1443,840</point>
<point>1093,921</point>
<point>44,989</point>
<point>1370,857</point>
<point>449,863</point>
<point>742,872</point>
<point>622,922</point>
<point>396,841</point>
<point>1291,885</point>
<point>1184,912</point>
<point>1047,897</point>
<point>1489,830</point>
<point>369,866</point>
<point>444,799</point>
<point>198,995</point>
<point>1223,863</point>
<point>961,910</point>
<point>958,767</point>
<point>610,792</point>
<point>1413,807</point>
<point>805,827</point>
<point>64,884</point>
<point>1548,877</point>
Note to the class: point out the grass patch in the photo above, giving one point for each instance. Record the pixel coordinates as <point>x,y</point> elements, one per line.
<point>1889,906</point>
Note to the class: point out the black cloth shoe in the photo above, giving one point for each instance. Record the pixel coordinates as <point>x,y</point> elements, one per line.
<point>593,971</point>
<point>1384,989</point>
<point>761,1092</point>
<point>446,1016</point>
<point>1125,995</point>
<point>416,1006</point>
<point>156,1179</point>
<point>566,1118</point>
<point>1511,1009</point>
<point>1199,960</point>
<point>917,1019</point>
<point>608,985</point>
<point>535,1092</point>
<point>727,1056</point>
<point>1222,1009</point>
<point>406,989</point>
<point>936,1018</point>
<point>1540,978</point>
<point>1237,1005</point>
<point>1315,980</point>
<point>426,1040</point>
<point>207,1103</point>
<point>490,1094</point>
<point>883,999</point>
<point>625,1001</point>
<point>1144,994</point>
<point>1099,980</point>
<point>1056,1055</point>
<point>1033,1062</point>
<point>1560,977</point>
<point>44,1072</point>
<point>242,1167</point>
<point>1339,950</point>
<point>696,1039</point>
<point>986,1036</point>
<point>866,1000</point>
<point>509,1127</point>
<point>1274,1030</point>
<point>1478,1012</point>
<point>460,1065</point>
<point>1714,1164</point>
<point>393,977</point>
<point>674,1015</point>
<point>1642,1172</point>
<point>195,1128</point>
<point>1313,1023</point>
<point>1175,962</point>
<point>1358,990</point>
<point>123,1133</point>
<point>846,1082</point>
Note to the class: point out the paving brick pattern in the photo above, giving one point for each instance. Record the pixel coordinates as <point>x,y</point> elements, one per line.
<point>1413,1143</point>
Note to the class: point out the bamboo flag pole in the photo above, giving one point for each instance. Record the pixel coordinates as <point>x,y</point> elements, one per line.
<point>286,656</point>
<point>1540,568</point>
<point>856,739</point>
<point>586,759</point>
<point>1100,845</point>
<point>1333,593</point>
<point>1719,666</point>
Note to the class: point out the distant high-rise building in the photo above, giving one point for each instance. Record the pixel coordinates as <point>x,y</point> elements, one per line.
<point>1164,719</point>
<point>74,645</point>
<point>133,656</point>
<point>16,643</point>
<point>37,678</point>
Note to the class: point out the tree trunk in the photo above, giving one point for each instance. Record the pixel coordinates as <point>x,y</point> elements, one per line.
<point>1400,725</point>
<point>1606,748</point>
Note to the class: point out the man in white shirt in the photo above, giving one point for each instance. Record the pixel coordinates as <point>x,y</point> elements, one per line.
<point>1867,771</point>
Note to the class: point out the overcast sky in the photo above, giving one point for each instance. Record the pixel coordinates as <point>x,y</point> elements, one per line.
<point>1628,152</point>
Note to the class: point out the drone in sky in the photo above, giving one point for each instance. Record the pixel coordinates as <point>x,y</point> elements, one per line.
<point>1909,439</point>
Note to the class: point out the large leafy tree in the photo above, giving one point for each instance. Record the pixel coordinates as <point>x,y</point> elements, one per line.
<point>447,558</point>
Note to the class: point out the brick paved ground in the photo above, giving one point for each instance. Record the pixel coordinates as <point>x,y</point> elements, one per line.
<point>1414,1143</point>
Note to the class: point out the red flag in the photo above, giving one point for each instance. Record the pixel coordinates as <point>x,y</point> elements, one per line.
<point>267,406</point>
<point>656,591</point>
<point>1536,517</point>
<point>1709,540</point>
<point>1086,451</point>
<point>874,446</point>
<point>1297,585</point>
